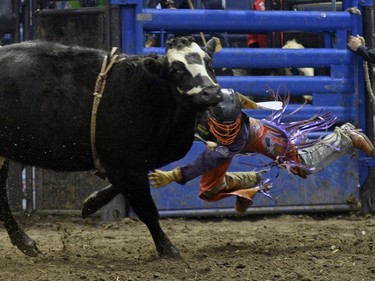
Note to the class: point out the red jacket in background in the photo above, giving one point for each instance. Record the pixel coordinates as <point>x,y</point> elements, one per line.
<point>257,40</point>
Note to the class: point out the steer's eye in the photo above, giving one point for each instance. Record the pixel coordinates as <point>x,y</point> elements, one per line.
<point>176,72</point>
<point>209,63</point>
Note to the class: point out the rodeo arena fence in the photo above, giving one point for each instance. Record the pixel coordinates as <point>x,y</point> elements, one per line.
<point>338,86</point>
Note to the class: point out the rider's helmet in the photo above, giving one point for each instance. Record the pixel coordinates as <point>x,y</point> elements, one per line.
<point>224,120</point>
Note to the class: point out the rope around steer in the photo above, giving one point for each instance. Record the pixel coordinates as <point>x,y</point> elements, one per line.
<point>367,77</point>
<point>99,90</point>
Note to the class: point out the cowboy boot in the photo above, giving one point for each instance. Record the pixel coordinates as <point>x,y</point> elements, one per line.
<point>359,139</point>
<point>245,197</point>
<point>243,180</point>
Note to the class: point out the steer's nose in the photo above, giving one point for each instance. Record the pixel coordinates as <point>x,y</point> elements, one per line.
<point>213,94</point>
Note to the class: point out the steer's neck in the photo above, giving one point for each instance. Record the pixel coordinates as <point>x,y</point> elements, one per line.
<point>181,135</point>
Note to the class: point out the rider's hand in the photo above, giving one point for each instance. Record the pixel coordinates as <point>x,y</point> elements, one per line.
<point>159,178</point>
<point>355,42</point>
<point>211,145</point>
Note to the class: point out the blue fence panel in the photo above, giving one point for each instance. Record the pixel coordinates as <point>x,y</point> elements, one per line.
<point>341,91</point>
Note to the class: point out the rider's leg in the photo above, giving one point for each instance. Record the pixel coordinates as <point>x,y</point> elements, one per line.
<point>334,146</point>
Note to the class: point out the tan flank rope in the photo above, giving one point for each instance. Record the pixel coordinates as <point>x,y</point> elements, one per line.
<point>99,90</point>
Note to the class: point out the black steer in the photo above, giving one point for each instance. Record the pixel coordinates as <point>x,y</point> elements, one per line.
<point>145,118</point>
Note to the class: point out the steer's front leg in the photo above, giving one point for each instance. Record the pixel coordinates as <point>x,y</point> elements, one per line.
<point>135,187</point>
<point>17,236</point>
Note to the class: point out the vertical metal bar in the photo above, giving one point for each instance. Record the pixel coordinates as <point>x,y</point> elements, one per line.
<point>368,187</point>
<point>24,190</point>
<point>33,175</point>
<point>115,26</point>
<point>107,26</point>
<point>132,29</point>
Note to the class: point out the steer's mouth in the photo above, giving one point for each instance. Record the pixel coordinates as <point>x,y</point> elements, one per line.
<point>207,98</point>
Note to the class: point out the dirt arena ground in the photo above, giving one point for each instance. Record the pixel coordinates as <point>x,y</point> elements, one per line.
<point>287,247</point>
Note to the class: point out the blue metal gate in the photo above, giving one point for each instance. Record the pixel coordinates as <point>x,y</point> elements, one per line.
<point>341,91</point>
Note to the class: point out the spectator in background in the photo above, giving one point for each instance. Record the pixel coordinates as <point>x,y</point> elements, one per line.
<point>213,4</point>
<point>257,40</point>
<point>357,45</point>
<point>266,40</point>
<point>62,5</point>
<point>8,21</point>
<point>153,39</point>
<point>90,3</point>
<point>185,4</point>
<point>6,7</point>
<point>167,4</point>
<point>77,4</point>
<point>217,5</point>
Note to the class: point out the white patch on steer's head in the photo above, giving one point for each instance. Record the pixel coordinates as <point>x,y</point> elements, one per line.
<point>193,58</point>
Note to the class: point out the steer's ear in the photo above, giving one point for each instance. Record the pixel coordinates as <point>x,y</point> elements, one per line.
<point>213,46</point>
<point>153,65</point>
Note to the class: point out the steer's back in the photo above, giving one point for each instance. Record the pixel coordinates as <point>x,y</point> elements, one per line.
<point>45,104</point>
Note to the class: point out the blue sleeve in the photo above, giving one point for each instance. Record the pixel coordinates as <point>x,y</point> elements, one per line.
<point>368,54</point>
<point>204,163</point>
<point>210,159</point>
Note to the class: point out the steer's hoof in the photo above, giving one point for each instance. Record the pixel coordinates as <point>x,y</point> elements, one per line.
<point>90,205</point>
<point>25,244</point>
<point>30,250</point>
<point>169,252</point>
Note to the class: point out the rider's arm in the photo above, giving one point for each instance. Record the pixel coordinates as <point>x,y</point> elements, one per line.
<point>205,162</point>
<point>368,54</point>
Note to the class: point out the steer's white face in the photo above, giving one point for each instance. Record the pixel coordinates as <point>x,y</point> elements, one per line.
<point>195,61</point>
<point>190,75</point>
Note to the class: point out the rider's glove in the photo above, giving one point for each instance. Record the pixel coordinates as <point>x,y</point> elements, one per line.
<point>211,145</point>
<point>159,178</point>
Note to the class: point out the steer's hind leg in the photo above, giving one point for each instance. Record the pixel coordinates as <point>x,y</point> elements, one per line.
<point>17,236</point>
<point>136,190</point>
<point>98,199</point>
